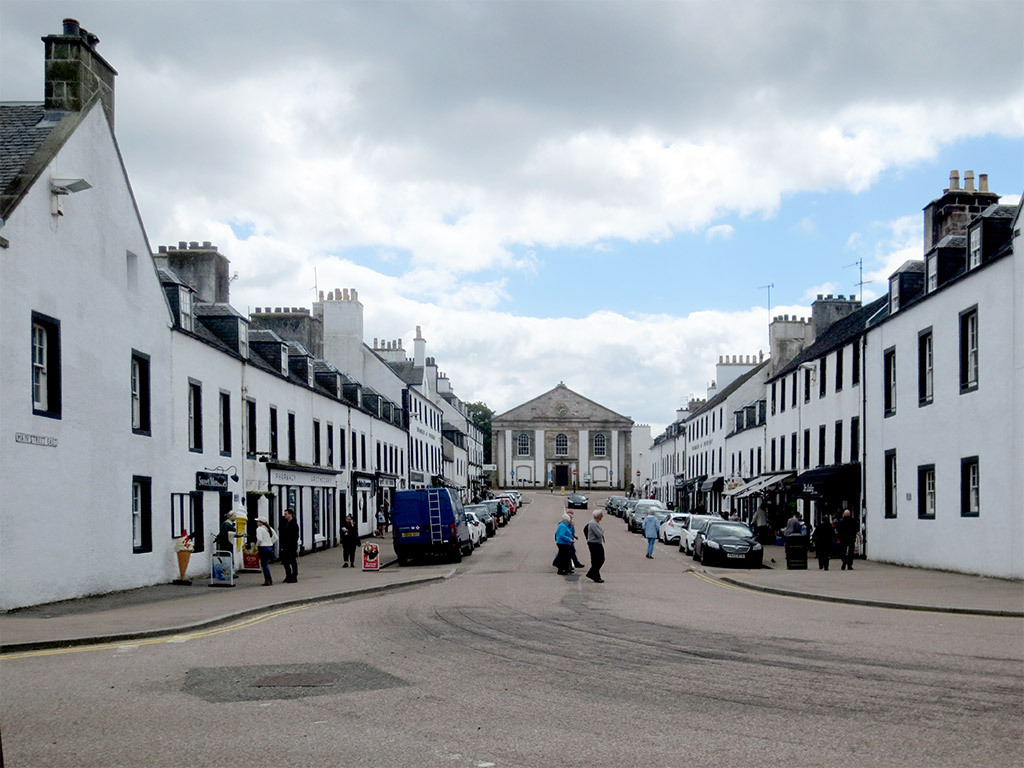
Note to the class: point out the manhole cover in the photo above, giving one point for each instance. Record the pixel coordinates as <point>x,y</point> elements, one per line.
<point>294,680</point>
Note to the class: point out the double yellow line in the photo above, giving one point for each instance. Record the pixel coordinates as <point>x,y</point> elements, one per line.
<point>252,620</point>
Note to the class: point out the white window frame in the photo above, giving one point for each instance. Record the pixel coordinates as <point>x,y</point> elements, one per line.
<point>972,349</point>
<point>932,271</point>
<point>561,444</point>
<point>600,445</point>
<point>136,394</point>
<point>974,249</point>
<point>974,489</point>
<point>185,309</point>
<point>40,350</point>
<point>136,515</point>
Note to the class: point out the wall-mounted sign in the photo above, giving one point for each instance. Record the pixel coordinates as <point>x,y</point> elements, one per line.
<point>364,484</point>
<point>386,482</point>
<point>43,440</point>
<point>211,481</point>
<point>291,477</point>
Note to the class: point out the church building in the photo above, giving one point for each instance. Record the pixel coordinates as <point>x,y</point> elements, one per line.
<point>561,438</point>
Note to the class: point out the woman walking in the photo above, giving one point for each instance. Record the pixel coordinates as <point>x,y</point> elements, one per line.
<point>265,539</point>
<point>563,539</point>
<point>349,542</point>
<point>595,541</point>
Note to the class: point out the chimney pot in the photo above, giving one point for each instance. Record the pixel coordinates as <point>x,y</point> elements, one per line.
<point>954,181</point>
<point>968,181</point>
<point>820,297</point>
<point>853,297</point>
<point>162,249</point>
<point>207,244</point>
<point>193,244</point>
<point>983,182</point>
<point>71,27</point>
<point>355,296</point>
<point>277,309</point>
<point>321,295</point>
<point>182,245</point>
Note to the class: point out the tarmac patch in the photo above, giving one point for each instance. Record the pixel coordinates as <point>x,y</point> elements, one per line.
<point>285,681</point>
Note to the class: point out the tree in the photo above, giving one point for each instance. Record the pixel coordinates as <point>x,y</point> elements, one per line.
<point>481,415</point>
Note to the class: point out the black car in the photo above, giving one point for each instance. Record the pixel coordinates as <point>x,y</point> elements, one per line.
<point>727,542</point>
<point>497,510</point>
<point>614,505</point>
<point>576,501</point>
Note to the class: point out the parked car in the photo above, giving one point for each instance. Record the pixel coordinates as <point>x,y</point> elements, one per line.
<point>671,529</point>
<point>513,503</point>
<point>517,497</point>
<point>641,509</point>
<point>497,510</point>
<point>485,517</point>
<point>429,521</point>
<point>627,510</point>
<point>576,501</point>
<point>477,532</point>
<point>727,542</point>
<point>614,505</point>
<point>694,524</point>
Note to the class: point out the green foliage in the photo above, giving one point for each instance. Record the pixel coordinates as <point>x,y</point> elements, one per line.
<point>481,415</point>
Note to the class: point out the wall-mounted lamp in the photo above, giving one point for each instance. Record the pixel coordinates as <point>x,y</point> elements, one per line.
<point>232,469</point>
<point>264,456</point>
<point>61,187</point>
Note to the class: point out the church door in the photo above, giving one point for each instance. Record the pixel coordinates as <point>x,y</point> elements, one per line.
<point>561,474</point>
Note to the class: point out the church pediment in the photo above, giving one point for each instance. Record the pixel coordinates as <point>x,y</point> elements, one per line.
<point>562,405</point>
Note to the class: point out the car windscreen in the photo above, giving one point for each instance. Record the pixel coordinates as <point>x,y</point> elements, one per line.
<point>723,530</point>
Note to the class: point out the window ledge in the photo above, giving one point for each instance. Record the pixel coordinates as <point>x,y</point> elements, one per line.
<point>924,401</point>
<point>967,388</point>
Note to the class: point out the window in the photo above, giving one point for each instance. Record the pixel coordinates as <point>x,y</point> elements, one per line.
<point>140,394</point>
<point>782,452</point>
<point>807,448</point>
<point>273,432</point>
<point>970,497</point>
<point>969,350</point>
<point>839,370</point>
<point>926,491</point>
<point>855,370</point>
<point>793,388</point>
<point>837,448</point>
<point>187,515</point>
<point>925,363</point>
<point>890,483</point>
<point>523,444</point>
<point>46,392</point>
<point>185,308</point>
<point>889,381</point>
<point>782,395</point>
<point>142,514</point>
<point>316,442</point>
<point>772,454</point>
<point>341,446</point>
<point>362,450</point>
<point>932,272</point>
<point>822,377</point>
<point>330,444</point>
<point>894,295</point>
<point>821,445</point>
<point>250,430</point>
<point>195,416</point>
<point>561,445</point>
<point>807,385</point>
<point>377,466</point>
<point>291,437</point>
<point>600,445</point>
<point>225,424</point>
<point>974,250</point>
<point>773,398</point>
<point>854,438</point>
<point>355,450</point>
<point>792,451</point>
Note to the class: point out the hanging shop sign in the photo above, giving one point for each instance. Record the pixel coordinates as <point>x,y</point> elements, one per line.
<point>211,481</point>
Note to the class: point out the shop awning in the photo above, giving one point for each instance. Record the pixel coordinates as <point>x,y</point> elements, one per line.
<point>837,474</point>
<point>759,483</point>
<point>712,484</point>
<point>686,485</point>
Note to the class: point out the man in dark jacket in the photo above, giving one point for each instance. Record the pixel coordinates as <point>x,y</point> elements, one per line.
<point>847,539</point>
<point>289,547</point>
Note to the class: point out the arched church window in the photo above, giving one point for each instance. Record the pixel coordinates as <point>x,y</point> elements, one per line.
<point>561,445</point>
<point>600,445</point>
<point>523,444</point>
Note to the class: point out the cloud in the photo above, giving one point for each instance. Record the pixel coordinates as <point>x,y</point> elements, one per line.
<point>720,232</point>
<point>819,290</point>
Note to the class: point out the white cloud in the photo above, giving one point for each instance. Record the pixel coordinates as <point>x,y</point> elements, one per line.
<point>819,290</point>
<point>720,232</point>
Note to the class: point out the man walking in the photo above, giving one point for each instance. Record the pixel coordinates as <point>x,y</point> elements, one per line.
<point>595,541</point>
<point>651,525</point>
<point>289,549</point>
<point>847,539</point>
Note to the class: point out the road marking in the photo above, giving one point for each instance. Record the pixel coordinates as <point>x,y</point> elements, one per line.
<point>180,638</point>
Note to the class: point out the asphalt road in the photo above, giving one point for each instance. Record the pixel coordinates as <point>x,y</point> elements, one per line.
<point>507,664</point>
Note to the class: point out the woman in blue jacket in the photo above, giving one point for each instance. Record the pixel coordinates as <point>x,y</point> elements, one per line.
<point>563,538</point>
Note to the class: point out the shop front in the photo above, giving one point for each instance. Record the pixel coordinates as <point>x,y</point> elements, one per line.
<point>826,491</point>
<point>313,493</point>
<point>364,502</point>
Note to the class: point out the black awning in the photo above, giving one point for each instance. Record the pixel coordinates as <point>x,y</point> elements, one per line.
<point>712,484</point>
<point>835,476</point>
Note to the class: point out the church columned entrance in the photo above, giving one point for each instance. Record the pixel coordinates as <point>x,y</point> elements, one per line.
<point>562,474</point>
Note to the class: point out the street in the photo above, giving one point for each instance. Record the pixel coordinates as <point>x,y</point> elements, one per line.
<point>508,664</point>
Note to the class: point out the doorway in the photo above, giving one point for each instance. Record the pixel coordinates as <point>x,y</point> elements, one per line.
<point>562,475</point>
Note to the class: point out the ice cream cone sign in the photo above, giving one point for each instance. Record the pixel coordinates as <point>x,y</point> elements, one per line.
<point>183,546</point>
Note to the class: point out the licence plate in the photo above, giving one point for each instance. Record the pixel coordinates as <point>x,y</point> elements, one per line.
<point>410,533</point>
<point>735,554</point>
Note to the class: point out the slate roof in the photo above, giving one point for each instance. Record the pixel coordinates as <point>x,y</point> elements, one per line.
<point>204,309</point>
<point>840,333</point>
<point>408,371</point>
<point>24,129</point>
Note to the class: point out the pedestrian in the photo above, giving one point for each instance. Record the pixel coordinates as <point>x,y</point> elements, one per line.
<point>595,542</point>
<point>563,540</point>
<point>227,531</point>
<point>795,525</point>
<point>575,558</point>
<point>380,521</point>
<point>760,523</point>
<point>824,539</point>
<point>265,539</point>
<point>289,549</point>
<point>651,525</point>
<point>349,542</point>
<point>847,539</point>
<point>386,506</point>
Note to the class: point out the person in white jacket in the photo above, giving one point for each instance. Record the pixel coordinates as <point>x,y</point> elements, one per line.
<point>266,537</point>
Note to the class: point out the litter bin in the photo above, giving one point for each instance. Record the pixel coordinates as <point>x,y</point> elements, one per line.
<point>796,552</point>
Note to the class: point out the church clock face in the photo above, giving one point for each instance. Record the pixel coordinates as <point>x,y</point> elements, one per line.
<point>561,410</point>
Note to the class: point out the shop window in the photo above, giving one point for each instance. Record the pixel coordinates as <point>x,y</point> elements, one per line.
<point>46,366</point>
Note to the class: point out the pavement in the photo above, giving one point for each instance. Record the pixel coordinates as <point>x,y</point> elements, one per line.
<point>166,609</point>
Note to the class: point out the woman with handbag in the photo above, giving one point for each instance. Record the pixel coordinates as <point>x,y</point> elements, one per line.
<point>266,537</point>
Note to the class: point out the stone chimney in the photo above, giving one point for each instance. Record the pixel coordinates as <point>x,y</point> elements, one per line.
<point>730,368</point>
<point>75,73</point>
<point>202,267</point>
<point>828,309</point>
<point>951,213</point>
<point>788,336</point>
<point>342,317</point>
<point>419,349</point>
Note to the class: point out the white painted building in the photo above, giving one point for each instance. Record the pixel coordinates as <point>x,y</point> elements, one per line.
<point>943,366</point>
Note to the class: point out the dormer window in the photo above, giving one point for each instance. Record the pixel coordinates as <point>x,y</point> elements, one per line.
<point>243,339</point>
<point>310,377</point>
<point>974,249</point>
<point>284,359</point>
<point>894,295</point>
<point>185,309</point>
<point>932,272</point>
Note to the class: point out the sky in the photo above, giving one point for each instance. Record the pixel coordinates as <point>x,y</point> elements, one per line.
<point>594,193</point>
